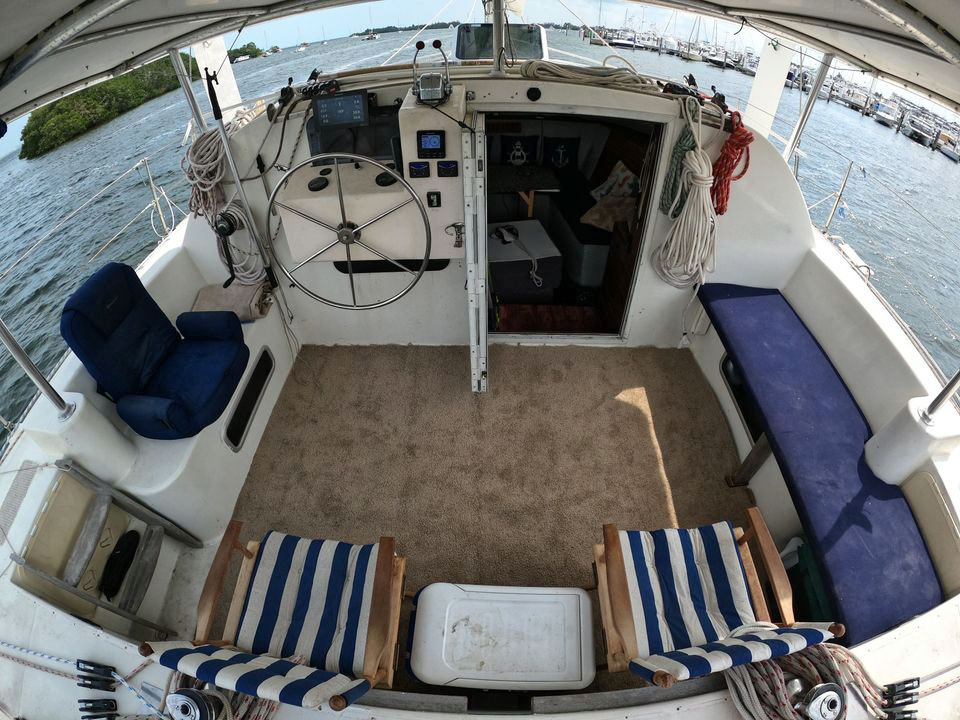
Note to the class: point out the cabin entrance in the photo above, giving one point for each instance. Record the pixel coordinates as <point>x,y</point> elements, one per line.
<point>567,199</point>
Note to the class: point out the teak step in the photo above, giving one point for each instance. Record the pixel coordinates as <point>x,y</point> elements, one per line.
<point>88,538</point>
<point>141,569</point>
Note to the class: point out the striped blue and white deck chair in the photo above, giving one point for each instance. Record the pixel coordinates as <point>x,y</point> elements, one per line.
<point>678,604</point>
<point>333,606</point>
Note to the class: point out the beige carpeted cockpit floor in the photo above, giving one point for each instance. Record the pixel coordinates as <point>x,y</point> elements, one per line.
<point>507,488</point>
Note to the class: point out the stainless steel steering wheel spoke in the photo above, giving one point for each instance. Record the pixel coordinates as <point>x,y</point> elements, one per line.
<point>382,215</point>
<point>385,257</point>
<point>305,216</point>
<point>343,211</point>
<point>353,289</point>
<point>317,254</point>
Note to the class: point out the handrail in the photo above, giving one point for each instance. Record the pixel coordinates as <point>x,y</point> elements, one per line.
<point>33,372</point>
<point>945,394</point>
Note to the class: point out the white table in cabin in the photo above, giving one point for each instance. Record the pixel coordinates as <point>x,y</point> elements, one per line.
<point>507,638</point>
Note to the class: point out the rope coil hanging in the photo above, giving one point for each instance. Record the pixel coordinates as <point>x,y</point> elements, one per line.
<point>687,253</point>
<point>205,167</point>
<point>735,148</point>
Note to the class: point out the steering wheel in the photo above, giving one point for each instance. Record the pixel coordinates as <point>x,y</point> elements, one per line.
<point>347,232</point>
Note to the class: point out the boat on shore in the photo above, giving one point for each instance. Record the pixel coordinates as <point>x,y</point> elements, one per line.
<point>683,460</point>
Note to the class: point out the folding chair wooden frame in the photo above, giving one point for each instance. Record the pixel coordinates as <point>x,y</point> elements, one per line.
<point>617,614</point>
<point>382,651</point>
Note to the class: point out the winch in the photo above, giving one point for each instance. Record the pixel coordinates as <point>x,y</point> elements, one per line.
<point>192,704</point>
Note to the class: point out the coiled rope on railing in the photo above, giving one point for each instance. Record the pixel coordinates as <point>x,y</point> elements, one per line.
<point>687,253</point>
<point>205,168</point>
<point>735,148</point>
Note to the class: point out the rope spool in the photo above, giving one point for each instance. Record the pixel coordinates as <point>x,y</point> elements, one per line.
<point>735,148</point>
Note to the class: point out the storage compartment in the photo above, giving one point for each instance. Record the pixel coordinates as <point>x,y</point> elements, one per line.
<point>506,638</point>
<point>246,407</point>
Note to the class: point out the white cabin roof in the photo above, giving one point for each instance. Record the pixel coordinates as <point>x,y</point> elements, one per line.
<point>56,47</point>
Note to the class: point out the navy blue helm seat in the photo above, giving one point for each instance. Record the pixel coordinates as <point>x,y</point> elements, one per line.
<point>166,384</point>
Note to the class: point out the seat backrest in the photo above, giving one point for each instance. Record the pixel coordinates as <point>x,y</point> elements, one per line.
<point>117,330</point>
<point>685,587</point>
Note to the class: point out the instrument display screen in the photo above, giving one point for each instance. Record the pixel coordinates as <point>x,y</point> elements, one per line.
<point>341,109</point>
<point>431,143</point>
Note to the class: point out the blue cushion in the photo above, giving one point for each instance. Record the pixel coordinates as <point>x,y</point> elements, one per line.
<point>728,652</point>
<point>687,587</point>
<point>262,676</point>
<point>210,325</point>
<point>873,559</point>
<point>117,330</point>
<point>165,387</point>
<point>310,598</point>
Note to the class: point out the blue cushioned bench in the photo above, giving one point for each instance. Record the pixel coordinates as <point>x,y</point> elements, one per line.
<point>873,559</point>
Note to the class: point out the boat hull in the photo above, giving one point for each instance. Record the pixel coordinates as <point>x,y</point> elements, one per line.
<point>918,137</point>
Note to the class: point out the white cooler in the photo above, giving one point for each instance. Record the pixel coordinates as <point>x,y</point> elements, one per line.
<point>507,638</point>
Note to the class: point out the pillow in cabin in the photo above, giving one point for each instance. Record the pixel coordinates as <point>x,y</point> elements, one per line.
<point>561,153</point>
<point>518,149</point>
<point>616,199</point>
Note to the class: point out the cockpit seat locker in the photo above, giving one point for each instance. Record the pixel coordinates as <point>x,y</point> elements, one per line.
<point>870,552</point>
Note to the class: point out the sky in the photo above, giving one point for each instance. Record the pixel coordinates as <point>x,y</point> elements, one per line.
<point>337,22</point>
<point>345,20</point>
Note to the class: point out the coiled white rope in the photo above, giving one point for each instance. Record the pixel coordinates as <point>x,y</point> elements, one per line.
<point>205,168</point>
<point>758,689</point>
<point>622,78</point>
<point>247,263</point>
<point>688,252</point>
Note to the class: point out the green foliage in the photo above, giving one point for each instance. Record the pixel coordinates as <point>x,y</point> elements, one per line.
<point>250,50</point>
<point>394,28</point>
<point>62,120</point>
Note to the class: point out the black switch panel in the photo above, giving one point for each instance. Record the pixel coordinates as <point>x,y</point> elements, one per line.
<point>448,168</point>
<point>433,199</point>
<point>419,170</point>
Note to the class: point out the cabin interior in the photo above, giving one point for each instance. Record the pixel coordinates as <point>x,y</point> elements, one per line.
<point>581,188</point>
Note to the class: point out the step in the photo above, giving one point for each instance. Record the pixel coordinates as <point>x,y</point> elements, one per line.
<point>88,539</point>
<point>141,570</point>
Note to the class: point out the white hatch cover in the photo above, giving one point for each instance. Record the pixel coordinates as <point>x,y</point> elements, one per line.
<point>511,638</point>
